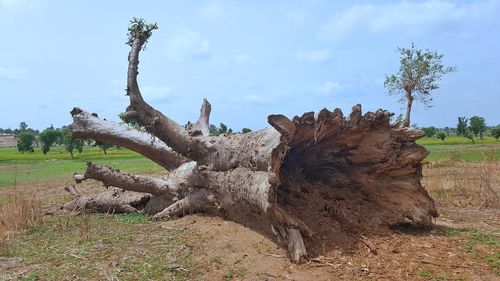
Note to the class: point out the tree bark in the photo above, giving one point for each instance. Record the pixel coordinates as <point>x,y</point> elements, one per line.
<point>312,183</point>
<point>409,103</point>
<point>88,126</point>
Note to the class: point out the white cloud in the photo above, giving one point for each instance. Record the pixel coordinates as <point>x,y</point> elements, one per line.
<point>155,93</point>
<point>329,88</point>
<point>404,16</point>
<point>211,11</point>
<point>314,56</point>
<point>187,44</point>
<point>11,73</point>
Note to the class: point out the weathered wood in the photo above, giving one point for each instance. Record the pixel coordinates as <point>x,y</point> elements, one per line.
<point>311,183</point>
<point>87,126</point>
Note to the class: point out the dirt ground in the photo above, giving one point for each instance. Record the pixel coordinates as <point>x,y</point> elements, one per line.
<point>402,256</point>
<point>463,246</point>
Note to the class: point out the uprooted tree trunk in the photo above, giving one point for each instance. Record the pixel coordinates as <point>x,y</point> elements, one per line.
<point>312,183</point>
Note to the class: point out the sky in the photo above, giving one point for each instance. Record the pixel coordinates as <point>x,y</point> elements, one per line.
<point>248,58</point>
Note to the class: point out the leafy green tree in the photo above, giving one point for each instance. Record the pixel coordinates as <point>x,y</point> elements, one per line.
<point>441,135</point>
<point>429,131</point>
<point>48,138</point>
<point>245,130</point>
<point>477,126</point>
<point>462,126</point>
<point>463,130</point>
<point>104,147</point>
<point>418,75</point>
<point>70,143</point>
<point>23,126</point>
<point>213,130</point>
<point>495,132</point>
<point>25,142</point>
<point>222,129</point>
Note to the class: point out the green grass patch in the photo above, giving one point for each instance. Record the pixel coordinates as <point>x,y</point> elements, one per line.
<point>462,148</point>
<point>484,240</point>
<point>128,247</point>
<point>17,167</point>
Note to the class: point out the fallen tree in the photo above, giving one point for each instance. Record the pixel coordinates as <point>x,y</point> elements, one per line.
<point>311,183</point>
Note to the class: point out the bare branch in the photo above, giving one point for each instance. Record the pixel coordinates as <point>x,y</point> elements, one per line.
<point>196,201</point>
<point>176,182</point>
<point>202,125</point>
<point>87,126</point>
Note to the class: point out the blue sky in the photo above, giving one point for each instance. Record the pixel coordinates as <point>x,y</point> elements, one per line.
<point>249,58</point>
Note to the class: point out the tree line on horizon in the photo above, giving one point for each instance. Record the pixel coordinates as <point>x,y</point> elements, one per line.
<point>28,138</point>
<point>468,128</point>
<point>418,75</point>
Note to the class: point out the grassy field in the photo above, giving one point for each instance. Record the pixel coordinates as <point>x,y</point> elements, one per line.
<point>133,247</point>
<point>462,148</point>
<point>157,253</point>
<point>16,167</point>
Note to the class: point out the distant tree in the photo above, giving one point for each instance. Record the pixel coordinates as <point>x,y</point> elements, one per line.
<point>495,132</point>
<point>429,131</point>
<point>25,142</point>
<point>441,135</point>
<point>213,130</point>
<point>463,130</point>
<point>104,147</point>
<point>453,132</point>
<point>8,131</point>
<point>477,126</point>
<point>462,126</point>
<point>245,130</point>
<point>70,143</point>
<point>23,126</point>
<point>222,129</point>
<point>48,138</point>
<point>447,131</point>
<point>418,75</point>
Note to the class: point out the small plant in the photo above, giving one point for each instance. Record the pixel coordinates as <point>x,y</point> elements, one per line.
<point>448,231</point>
<point>237,272</point>
<point>229,274</point>
<point>30,277</point>
<point>423,273</point>
<point>131,218</point>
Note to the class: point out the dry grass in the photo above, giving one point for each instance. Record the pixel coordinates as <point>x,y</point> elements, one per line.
<point>464,184</point>
<point>21,210</point>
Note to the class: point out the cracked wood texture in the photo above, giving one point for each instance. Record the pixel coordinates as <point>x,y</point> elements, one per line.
<point>311,183</point>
